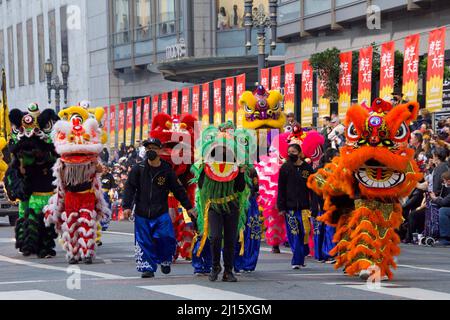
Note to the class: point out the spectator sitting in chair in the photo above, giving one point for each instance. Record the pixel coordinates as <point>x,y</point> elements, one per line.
<point>443,201</point>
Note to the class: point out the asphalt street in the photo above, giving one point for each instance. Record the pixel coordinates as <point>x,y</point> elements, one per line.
<point>423,273</point>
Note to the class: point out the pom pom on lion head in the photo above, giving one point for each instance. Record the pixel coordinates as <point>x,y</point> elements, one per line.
<point>78,135</point>
<point>377,155</point>
<point>262,109</point>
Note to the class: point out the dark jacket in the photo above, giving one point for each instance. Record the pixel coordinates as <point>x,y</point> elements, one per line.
<point>437,179</point>
<point>444,199</point>
<point>293,194</point>
<point>149,187</point>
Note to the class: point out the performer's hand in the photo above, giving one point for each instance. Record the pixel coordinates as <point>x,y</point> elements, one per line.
<point>126,214</point>
<point>193,213</point>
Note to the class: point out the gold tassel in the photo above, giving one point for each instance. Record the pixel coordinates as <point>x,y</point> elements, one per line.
<point>205,228</point>
<point>241,240</point>
<point>306,214</point>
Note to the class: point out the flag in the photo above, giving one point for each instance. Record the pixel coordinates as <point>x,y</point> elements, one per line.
<point>365,76</point>
<point>411,67</point>
<point>196,101</point>
<point>345,83</point>
<point>275,78</point>
<point>205,105</point>
<point>146,118</point>
<point>435,69</point>
<point>387,60</point>
<point>240,88</point>
<point>229,99</point>
<point>307,94</point>
<point>165,103</point>
<point>217,96</point>
<point>264,81</point>
<point>289,88</point>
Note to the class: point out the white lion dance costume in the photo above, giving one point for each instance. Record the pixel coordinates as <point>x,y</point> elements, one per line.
<point>78,205</point>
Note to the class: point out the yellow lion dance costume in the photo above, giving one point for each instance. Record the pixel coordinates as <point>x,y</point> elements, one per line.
<point>362,187</point>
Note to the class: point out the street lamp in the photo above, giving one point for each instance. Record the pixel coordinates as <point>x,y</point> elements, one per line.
<point>256,17</point>
<point>55,84</point>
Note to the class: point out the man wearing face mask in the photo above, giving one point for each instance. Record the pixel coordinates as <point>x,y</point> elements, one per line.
<point>295,201</point>
<point>148,186</point>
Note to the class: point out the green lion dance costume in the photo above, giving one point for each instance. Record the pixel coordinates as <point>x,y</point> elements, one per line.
<point>29,178</point>
<point>222,151</point>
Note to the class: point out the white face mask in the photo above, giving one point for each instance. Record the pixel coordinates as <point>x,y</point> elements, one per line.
<point>446,185</point>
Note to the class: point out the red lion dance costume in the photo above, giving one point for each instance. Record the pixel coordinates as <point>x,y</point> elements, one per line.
<point>79,204</point>
<point>362,187</point>
<point>177,136</point>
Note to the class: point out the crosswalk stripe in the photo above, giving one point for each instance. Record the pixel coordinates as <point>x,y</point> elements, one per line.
<point>7,240</point>
<point>31,295</point>
<point>423,268</point>
<point>399,291</point>
<point>196,292</point>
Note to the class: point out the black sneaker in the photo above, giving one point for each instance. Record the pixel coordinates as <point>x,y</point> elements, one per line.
<point>73,261</point>
<point>165,268</point>
<point>88,260</point>
<point>276,249</point>
<point>215,273</point>
<point>228,276</point>
<point>148,274</point>
<point>99,243</point>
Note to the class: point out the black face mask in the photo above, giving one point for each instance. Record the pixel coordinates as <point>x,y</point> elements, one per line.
<point>152,155</point>
<point>293,157</point>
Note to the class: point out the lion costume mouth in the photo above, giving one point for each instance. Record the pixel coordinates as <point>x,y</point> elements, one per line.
<point>220,163</point>
<point>375,175</point>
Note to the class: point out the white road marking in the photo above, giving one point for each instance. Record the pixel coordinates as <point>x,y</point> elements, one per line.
<point>31,295</point>
<point>7,240</point>
<point>49,267</point>
<point>270,250</point>
<point>314,274</point>
<point>423,268</point>
<point>119,233</point>
<point>398,291</point>
<point>196,292</point>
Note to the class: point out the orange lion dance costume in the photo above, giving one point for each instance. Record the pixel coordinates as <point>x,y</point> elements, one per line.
<point>362,187</point>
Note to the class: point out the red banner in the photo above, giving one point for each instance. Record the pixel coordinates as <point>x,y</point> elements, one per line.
<point>289,88</point>
<point>435,69</point>
<point>217,97</point>
<point>121,122</point>
<point>185,101</point>
<point>146,118</point>
<point>240,88</point>
<point>411,67</point>
<point>345,83</point>
<point>196,101</point>
<point>165,102</point>
<point>324,103</point>
<point>174,103</point>
<point>129,122</point>
<point>155,102</point>
<point>307,94</point>
<point>229,99</point>
<point>138,119</point>
<point>105,119</point>
<point>205,105</point>
<point>275,78</point>
<point>112,126</point>
<point>387,60</point>
<point>264,81</point>
<point>365,76</point>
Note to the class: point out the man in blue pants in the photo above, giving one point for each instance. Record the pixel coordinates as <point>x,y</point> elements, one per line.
<point>148,186</point>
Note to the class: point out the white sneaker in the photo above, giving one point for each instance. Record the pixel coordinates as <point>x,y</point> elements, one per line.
<point>364,275</point>
<point>295,267</point>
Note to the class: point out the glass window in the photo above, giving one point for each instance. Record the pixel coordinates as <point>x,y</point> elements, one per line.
<point>230,14</point>
<point>121,22</point>
<point>288,12</point>
<point>30,51</point>
<point>344,2</point>
<point>143,14</point>
<point>41,47</point>
<point>166,10</point>
<point>316,6</point>
<point>52,39</point>
<point>2,49</point>
<point>11,71</point>
<point>19,33</point>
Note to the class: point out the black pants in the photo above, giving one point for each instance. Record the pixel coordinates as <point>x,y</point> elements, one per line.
<point>416,222</point>
<point>225,223</point>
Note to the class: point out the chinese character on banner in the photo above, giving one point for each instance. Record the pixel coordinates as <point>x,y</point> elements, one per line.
<point>146,118</point>
<point>185,101</point>
<point>121,122</point>
<point>324,103</point>
<point>112,126</point>
<point>387,60</point>
<point>165,103</point>
<point>240,88</point>
<point>196,101</point>
<point>275,78</point>
<point>217,97</point>
<point>264,81</point>
<point>174,103</point>
<point>307,94</point>
<point>138,119</point>
<point>435,69</point>
<point>365,76</point>
<point>129,122</point>
<point>205,105</point>
<point>155,108</point>
<point>289,88</point>
<point>229,99</point>
<point>411,67</point>
<point>345,83</point>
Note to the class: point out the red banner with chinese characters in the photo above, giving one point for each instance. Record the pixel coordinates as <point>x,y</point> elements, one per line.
<point>112,126</point>
<point>324,103</point>
<point>264,81</point>
<point>155,102</point>
<point>387,60</point>
<point>165,102</point>
<point>121,122</point>
<point>240,88</point>
<point>435,69</point>
<point>229,99</point>
<point>129,122</point>
<point>345,83</point>
<point>146,118</point>
<point>196,101</point>
<point>217,97</point>
<point>205,105</point>
<point>105,119</point>
<point>289,88</point>
<point>307,94</point>
<point>411,67</point>
<point>138,124</point>
<point>174,103</point>
<point>275,78</point>
<point>185,101</point>
<point>365,76</point>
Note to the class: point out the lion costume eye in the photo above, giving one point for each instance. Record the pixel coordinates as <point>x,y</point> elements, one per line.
<point>402,132</point>
<point>76,116</point>
<point>247,109</point>
<point>48,127</point>
<point>276,107</point>
<point>242,140</point>
<point>351,131</point>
